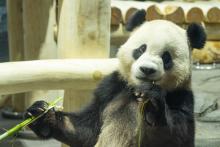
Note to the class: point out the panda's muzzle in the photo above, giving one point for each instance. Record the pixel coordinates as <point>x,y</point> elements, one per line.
<point>147,68</point>
<point>147,71</point>
<point>147,74</point>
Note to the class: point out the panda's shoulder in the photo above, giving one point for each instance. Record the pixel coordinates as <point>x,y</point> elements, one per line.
<point>109,87</point>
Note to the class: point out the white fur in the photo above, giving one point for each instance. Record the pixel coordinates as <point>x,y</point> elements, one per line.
<point>159,36</point>
<point>147,60</point>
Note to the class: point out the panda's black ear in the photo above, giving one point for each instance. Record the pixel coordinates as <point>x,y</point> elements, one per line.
<point>196,35</point>
<point>136,19</point>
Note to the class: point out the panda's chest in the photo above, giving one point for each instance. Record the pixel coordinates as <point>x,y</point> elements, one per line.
<point>119,125</point>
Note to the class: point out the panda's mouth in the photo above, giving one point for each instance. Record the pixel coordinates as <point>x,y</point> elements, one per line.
<point>148,79</point>
<point>143,79</point>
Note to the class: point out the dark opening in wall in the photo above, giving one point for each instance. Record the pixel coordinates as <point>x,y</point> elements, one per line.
<point>4,50</point>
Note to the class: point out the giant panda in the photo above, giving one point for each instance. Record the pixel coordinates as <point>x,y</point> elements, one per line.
<point>154,67</point>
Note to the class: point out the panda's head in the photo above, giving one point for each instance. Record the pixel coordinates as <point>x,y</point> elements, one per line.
<point>159,51</point>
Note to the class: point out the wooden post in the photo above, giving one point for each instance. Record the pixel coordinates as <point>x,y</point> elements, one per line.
<point>16,43</point>
<point>84,32</point>
<point>38,20</point>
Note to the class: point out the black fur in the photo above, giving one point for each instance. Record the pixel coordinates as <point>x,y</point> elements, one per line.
<point>139,51</point>
<point>167,60</point>
<point>170,112</point>
<point>168,116</point>
<point>196,35</point>
<point>136,20</point>
<point>86,123</point>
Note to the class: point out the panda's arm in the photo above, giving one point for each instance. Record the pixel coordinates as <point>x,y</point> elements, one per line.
<point>172,110</point>
<point>70,128</point>
<point>78,129</point>
<point>179,112</point>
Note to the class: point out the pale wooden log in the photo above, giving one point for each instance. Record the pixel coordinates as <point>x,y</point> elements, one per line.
<point>123,6</point>
<point>54,74</point>
<point>116,16</point>
<point>213,15</point>
<point>38,21</point>
<point>84,32</point>
<point>120,36</point>
<point>174,10</point>
<point>193,11</point>
<point>129,7</point>
<point>129,13</point>
<point>59,6</point>
<point>174,13</point>
<point>195,14</point>
<point>198,11</point>
<point>16,44</point>
<point>167,11</point>
<point>153,13</point>
<point>211,10</point>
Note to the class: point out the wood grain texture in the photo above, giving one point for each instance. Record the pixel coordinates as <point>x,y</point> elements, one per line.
<point>175,11</point>
<point>116,16</point>
<point>53,74</point>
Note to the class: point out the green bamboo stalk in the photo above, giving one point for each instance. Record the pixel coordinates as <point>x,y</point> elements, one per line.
<point>28,121</point>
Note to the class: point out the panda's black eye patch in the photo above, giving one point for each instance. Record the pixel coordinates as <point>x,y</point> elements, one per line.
<point>167,60</point>
<point>139,51</point>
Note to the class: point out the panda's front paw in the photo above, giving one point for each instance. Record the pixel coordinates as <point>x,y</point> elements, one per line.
<point>149,91</point>
<point>152,92</point>
<point>141,91</point>
<point>153,97</point>
<point>42,125</point>
<point>36,109</point>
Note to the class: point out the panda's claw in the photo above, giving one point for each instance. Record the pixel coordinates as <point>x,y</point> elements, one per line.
<point>36,109</point>
<point>139,99</point>
<point>136,94</point>
<point>143,90</point>
<point>28,114</point>
<point>41,109</point>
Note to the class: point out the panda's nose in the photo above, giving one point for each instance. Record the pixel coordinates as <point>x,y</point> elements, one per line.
<point>147,71</point>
